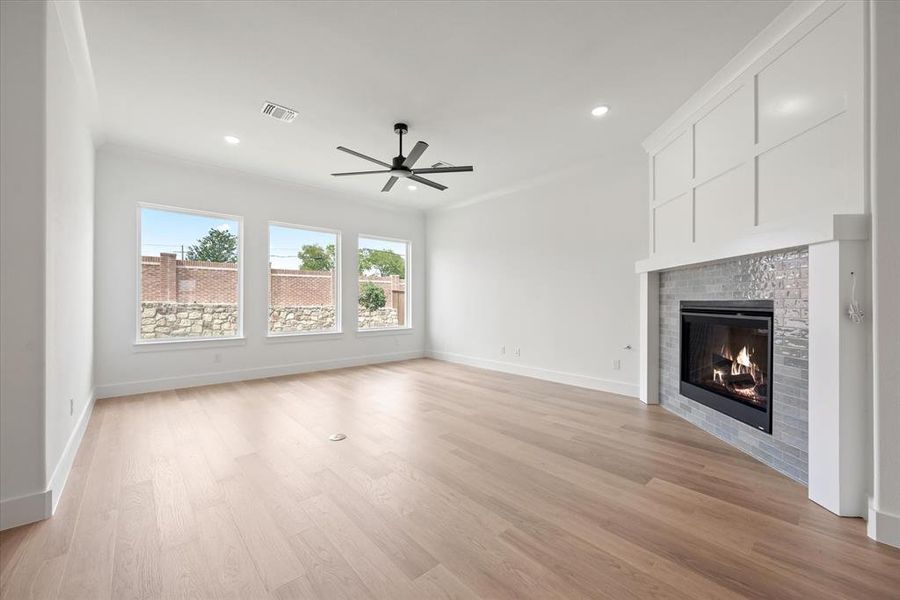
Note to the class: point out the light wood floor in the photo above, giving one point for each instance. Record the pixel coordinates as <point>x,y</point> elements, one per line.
<point>453,483</point>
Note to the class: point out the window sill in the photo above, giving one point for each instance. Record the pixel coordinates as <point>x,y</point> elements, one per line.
<point>187,343</point>
<point>308,335</point>
<point>384,331</point>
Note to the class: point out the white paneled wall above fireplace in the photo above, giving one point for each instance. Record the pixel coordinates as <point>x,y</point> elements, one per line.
<point>776,145</point>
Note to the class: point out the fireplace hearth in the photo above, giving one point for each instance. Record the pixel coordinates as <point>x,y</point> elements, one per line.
<point>726,358</point>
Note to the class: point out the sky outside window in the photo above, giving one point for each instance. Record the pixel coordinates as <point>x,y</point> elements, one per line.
<point>286,242</point>
<point>375,244</point>
<point>168,231</point>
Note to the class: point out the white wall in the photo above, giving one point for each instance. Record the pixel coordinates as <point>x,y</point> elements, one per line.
<point>884,509</point>
<point>127,177</point>
<point>69,248</point>
<point>545,269</point>
<point>47,161</point>
<point>22,206</point>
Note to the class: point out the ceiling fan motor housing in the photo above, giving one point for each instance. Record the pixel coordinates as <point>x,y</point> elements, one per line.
<point>398,169</point>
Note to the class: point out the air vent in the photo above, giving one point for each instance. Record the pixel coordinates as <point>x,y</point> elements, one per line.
<point>276,111</point>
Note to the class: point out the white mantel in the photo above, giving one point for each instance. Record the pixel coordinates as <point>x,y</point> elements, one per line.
<point>818,228</point>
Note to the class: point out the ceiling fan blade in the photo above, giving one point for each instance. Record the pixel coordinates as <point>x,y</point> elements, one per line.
<point>390,183</point>
<point>444,170</point>
<point>360,173</point>
<point>360,155</point>
<point>428,182</point>
<point>415,153</point>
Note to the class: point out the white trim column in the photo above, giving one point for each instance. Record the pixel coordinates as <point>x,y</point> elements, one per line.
<point>649,355</point>
<point>884,503</point>
<point>839,377</point>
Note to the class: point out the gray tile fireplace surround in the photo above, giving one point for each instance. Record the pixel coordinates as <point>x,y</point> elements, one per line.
<point>784,278</point>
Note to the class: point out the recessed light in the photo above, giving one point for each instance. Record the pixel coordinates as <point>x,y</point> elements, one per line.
<point>411,188</point>
<point>234,141</point>
<point>600,111</point>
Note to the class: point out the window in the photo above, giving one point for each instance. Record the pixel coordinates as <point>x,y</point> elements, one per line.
<point>383,283</point>
<point>190,275</point>
<point>303,280</point>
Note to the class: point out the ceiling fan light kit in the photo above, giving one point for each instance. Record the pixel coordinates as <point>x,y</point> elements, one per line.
<point>402,166</point>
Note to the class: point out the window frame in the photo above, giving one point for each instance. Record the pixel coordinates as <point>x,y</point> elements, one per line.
<point>239,331</point>
<point>407,328</point>
<point>338,298</point>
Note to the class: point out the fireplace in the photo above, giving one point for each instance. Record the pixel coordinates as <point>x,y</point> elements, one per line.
<point>726,358</point>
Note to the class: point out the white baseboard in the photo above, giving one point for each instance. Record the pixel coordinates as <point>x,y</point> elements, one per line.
<point>24,509</point>
<point>41,505</point>
<point>585,381</point>
<point>127,388</point>
<point>883,527</point>
<point>64,466</point>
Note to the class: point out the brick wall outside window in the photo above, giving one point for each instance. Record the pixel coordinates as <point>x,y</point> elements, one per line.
<point>293,287</point>
<point>165,278</point>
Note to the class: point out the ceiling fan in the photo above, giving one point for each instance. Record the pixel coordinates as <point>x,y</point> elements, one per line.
<point>402,166</point>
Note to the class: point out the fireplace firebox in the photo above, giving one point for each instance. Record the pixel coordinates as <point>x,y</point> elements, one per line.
<point>726,358</point>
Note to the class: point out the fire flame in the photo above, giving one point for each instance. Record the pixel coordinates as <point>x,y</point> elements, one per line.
<point>740,364</point>
<point>743,359</point>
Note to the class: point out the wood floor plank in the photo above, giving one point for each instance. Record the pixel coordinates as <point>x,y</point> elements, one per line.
<point>299,588</point>
<point>279,498</point>
<point>90,556</point>
<point>12,547</point>
<point>440,584</point>
<point>327,570</point>
<point>174,512</point>
<point>202,487</point>
<point>185,573</point>
<point>219,459</point>
<point>231,569</point>
<point>454,482</point>
<point>406,553</point>
<point>89,565</point>
<point>138,462</point>
<point>266,544</point>
<point>379,574</point>
<point>41,582</point>
<point>136,568</point>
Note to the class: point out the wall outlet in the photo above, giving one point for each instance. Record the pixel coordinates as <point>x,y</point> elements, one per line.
<point>217,357</point>
<point>518,351</point>
<point>617,364</point>
<point>71,407</point>
<point>502,350</point>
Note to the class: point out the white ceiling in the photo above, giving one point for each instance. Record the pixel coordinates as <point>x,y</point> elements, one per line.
<point>505,86</point>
